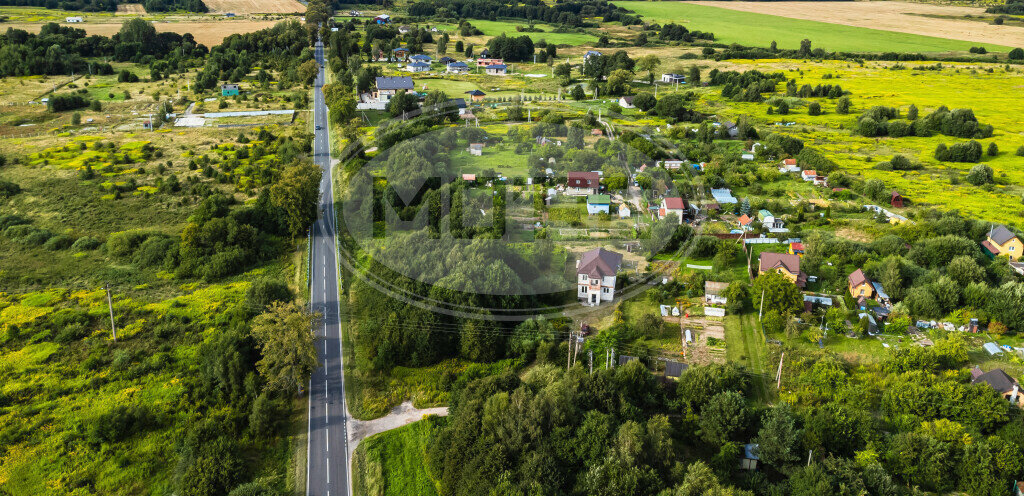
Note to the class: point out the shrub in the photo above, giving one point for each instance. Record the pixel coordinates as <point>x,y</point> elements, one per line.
<point>1020,153</point>
<point>980,174</point>
<point>1016,54</point>
<point>85,243</point>
<point>843,105</point>
<point>37,237</point>
<point>8,189</point>
<point>154,251</point>
<point>263,292</point>
<point>961,152</point>
<point>123,244</point>
<point>814,109</point>
<point>993,149</point>
<point>59,242</point>
<point>18,231</point>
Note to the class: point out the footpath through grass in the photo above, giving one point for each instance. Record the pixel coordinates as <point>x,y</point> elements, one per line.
<point>393,463</point>
<point>752,29</point>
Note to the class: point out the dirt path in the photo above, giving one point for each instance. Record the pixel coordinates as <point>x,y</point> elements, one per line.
<point>400,415</point>
<point>901,17</point>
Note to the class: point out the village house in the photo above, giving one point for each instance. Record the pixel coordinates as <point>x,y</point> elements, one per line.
<point>388,87</point>
<point>74,19</point>
<point>228,89</point>
<point>744,221</point>
<point>598,204</point>
<point>1002,383</point>
<point>595,275</point>
<point>808,175</point>
<point>476,149</point>
<point>789,165</point>
<point>674,205</point>
<point>400,53</point>
<point>783,263</point>
<point>404,29</point>
<point>671,164</point>
<point>1001,241</point>
<point>859,285</point>
<point>768,220</point>
<point>624,211</point>
<point>476,96</point>
<point>496,70</point>
<point>673,78</point>
<point>418,67</point>
<point>484,62</point>
<point>457,68</point>
<point>382,19</point>
<point>896,199</point>
<point>626,102</point>
<point>419,57</point>
<point>591,53</point>
<point>582,183</point>
<point>796,248</point>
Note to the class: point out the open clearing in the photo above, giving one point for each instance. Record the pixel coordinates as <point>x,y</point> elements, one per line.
<point>254,6</point>
<point>131,8</point>
<point>756,29</point>
<point>208,33</point>
<point>902,17</point>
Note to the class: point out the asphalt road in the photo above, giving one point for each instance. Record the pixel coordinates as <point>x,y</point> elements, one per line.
<point>327,461</point>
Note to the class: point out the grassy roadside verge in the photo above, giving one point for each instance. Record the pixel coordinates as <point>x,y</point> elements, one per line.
<point>393,463</point>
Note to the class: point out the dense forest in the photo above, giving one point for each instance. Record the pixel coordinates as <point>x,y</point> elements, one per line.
<point>283,48</point>
<point>896,428</point>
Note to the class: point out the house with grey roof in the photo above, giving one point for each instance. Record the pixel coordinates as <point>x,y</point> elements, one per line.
<point>388,87</point>
<point>596,272</point>
<point>1001,382</point>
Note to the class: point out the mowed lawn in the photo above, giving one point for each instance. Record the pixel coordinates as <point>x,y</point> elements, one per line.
<point>393,463</point>
<point>752,29</point>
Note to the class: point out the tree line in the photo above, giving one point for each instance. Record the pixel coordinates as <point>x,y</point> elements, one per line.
<point>62,50</point>
<point>572,13</point>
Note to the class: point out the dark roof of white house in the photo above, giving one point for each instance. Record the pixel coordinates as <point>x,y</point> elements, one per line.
<point>599,263</point>
<point>997,379</point>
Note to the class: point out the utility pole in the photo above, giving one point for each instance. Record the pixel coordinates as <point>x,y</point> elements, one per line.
<point>760,310</point>
<point>778,375</point>
<point>110,306</point>
<point>809,452</point>
<point>590,360</point>
<point>576,346</point>
<point>568,352</point>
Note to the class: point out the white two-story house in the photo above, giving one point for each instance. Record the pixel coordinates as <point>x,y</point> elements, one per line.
<point>595,276</point>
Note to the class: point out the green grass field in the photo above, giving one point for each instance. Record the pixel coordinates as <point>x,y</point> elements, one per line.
<point>989,94</point>
<point>751,29</point>
<point>393,463</point>
<point>496,28</point>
